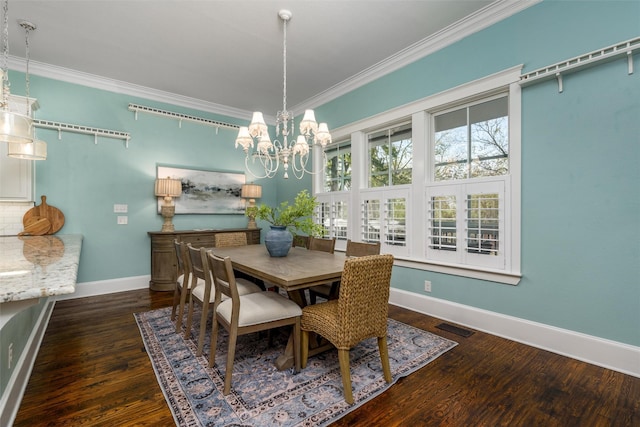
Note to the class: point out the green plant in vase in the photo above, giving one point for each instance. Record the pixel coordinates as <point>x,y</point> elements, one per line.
<point>292,218</point>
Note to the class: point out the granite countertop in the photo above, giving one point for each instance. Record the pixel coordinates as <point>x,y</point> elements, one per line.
<point>38,266</point>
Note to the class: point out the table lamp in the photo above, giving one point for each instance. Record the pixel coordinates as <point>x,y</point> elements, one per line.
<point>251,192</point>
<point>168,188</point>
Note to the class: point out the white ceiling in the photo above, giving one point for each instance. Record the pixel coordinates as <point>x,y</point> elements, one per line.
<point>230,52</point>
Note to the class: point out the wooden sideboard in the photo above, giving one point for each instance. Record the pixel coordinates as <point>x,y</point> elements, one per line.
<point>163,254</point>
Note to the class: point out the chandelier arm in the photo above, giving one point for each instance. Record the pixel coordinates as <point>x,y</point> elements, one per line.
<point>269,171</point>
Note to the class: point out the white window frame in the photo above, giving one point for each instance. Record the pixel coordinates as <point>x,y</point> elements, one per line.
<point>332,199</point>
<point>506,81</point>
<point>384,194</point>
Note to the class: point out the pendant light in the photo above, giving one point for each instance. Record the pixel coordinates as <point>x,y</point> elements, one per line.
<point>35,150</point>
<point>14,127</point>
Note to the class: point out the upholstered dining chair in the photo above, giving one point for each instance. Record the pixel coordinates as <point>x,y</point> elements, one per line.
<point>360,312</point>
<point>183,283</point>
<point>243,314</point>
<point>203,292</point>
<point>329,291</point>
<point>324,245</point>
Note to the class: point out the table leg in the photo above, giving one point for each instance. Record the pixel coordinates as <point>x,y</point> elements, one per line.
<point>286,360</point>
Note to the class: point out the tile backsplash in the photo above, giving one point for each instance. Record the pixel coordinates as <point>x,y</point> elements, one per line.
<point>11,214</point>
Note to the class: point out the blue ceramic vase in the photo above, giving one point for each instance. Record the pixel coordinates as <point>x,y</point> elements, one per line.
<point>278,241</point>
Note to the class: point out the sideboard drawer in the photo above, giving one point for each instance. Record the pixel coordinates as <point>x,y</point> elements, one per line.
<point>198,240</point>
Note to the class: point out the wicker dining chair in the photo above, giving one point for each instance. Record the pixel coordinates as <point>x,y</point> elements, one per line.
<point>183,283</point>
<point>329,291</point>
<point>230,239</point>
<point>203,293</point>
<point>244,314</point>
<point>360,312</point>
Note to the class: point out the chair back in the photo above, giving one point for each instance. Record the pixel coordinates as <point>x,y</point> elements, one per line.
<point>180,248</point>
<point>363,302</point>
<point>362,249</point>
<point>324,245</point>
<point>195,261</point>
<point>230,239</point>
<point>301,241</point>
<point>224,280</point>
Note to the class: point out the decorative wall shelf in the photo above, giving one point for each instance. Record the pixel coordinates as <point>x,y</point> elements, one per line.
<point>610,53</point>
<point>96,132</point>
<point>180,117</point>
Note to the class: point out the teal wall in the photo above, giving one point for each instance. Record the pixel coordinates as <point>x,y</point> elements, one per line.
<point>580,175</point>
<point>580,156</point>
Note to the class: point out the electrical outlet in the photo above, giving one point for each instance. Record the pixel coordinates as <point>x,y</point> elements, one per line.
<point>427,286</point>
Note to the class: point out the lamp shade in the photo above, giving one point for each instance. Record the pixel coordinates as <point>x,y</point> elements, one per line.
<point>257,127</point>
<point>36,150</point>
<point>15,128</point>
<point>244,138</point>
<point>251,191</point>
<point>168,187</point>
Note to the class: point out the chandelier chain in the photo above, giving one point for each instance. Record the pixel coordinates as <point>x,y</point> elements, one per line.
<point>5,53</point>
<point>284,65</point>
<point>27,80</point>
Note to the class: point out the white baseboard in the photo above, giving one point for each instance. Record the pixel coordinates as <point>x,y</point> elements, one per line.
<point>608,354</point>
<point>103,287</point>
<point>12,396</point>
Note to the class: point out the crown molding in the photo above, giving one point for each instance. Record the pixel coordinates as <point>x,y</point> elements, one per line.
<point>91,80</point>
<point>483,18</point>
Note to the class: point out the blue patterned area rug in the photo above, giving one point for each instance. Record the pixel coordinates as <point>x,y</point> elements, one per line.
<point>260,394</point>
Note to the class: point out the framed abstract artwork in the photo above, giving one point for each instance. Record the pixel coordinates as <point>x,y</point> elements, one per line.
<point>205,191</point>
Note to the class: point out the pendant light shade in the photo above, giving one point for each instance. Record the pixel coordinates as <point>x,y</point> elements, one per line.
<point>36,150</point>
<point>15,128</point>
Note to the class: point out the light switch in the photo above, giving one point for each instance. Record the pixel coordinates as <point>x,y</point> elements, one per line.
<point>120,208</point>
<point>123,220</point>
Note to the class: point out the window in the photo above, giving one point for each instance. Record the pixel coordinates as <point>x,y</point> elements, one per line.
<point>465,217</point>
<point>383,219</point>
<point>390,156</point>
<point>472,141</point>
<point>338,167</point>
<point>466,224</point>
<point>333,213</point>
<point>436,182</point>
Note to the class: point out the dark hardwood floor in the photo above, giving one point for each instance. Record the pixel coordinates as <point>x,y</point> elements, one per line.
<point>92,370</point>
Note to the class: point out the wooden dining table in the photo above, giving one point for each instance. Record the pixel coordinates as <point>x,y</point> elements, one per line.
<point>299,270</point>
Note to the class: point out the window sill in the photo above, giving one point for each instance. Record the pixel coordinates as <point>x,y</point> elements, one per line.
<point>456,270</point>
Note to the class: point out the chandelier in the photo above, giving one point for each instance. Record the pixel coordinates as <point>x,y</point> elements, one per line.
<point>286,151</point>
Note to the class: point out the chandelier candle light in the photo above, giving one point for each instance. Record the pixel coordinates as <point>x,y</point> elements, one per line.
<point>168,188</point>
<point>288,152</point>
